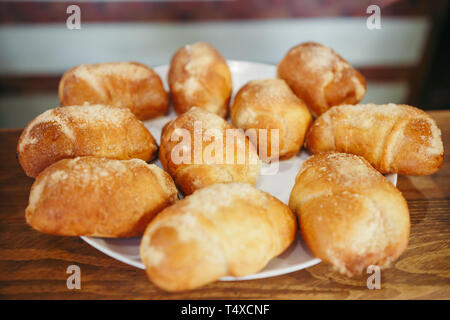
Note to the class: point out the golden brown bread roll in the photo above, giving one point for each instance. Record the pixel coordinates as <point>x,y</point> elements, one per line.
<point>96,130</point>
<point>90,196</point>
<point>270,104</point>
<point>200,77</point>
<point>320,77</point>
<point>121,84</point>
<point>393,138</point>
<point>350,215</point>
<point>224,229</point>
<point>194,150</point>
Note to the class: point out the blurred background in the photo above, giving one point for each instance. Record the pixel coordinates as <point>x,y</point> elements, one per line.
<point>406,61</point>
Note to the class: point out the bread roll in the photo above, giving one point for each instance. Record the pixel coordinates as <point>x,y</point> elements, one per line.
<point>320,77</point>
<point>393,138</point>
<point>270,104</point>
<point>350,215</point>
<point>224,229</point>
<point>124,84</point>
<point>195,151</point>
<point>200,77</point>
<point>90,196</point>
<point>74,131</point>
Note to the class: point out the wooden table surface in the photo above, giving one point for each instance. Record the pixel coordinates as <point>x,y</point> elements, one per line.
<point>33,265</point>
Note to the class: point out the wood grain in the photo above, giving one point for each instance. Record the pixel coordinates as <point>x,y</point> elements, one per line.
<point>33,265</point>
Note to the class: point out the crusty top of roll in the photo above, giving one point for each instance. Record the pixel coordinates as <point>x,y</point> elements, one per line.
<point>120,84</point>
<point>90,170</point>
<point>238,162</point>
<point>350,215</point>
<point>199,76</point>
<point>208,119</point>
<point>366,115</point>
<point>71,118</point>
<point>90,73</point>
<point>200,57</point>
<point>224,229</point>
<point>98,197</point>
<point>321,77</point>
<point>93,73</point>
<point>342,171</point>
<point>393,138</point>
<point>71,131</point>
<point>271,104</point>
<point>265,95</point>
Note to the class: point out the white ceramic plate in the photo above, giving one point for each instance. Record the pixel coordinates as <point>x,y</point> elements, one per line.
<point>297,256</point>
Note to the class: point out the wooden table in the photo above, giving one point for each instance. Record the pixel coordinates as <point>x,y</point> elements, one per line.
<point>33,265</point>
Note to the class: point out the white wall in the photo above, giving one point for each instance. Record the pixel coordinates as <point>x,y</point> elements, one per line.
<point>52,49</point>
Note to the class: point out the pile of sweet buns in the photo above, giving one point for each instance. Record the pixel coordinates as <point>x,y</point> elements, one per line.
<point>90,160</point>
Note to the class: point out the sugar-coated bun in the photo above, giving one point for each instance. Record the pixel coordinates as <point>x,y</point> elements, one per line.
<point>201,158</point>
<point>393,138</point>
<point>94,130</point>
<point>350,215</point>
<point>320,77</point>
<point>270,104</point>
<point>118,84</point>
<point>90,196</point>
<point>200,77</point>
<point>224,229</point>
